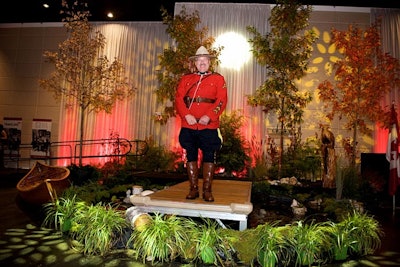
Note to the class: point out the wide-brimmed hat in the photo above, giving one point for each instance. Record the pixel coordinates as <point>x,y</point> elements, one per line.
<point>201,52</point>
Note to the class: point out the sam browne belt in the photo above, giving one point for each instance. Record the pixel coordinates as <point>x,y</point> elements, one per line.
<point>198,99</point>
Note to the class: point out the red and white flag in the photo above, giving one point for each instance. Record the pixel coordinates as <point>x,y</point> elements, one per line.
<point>392,153</point>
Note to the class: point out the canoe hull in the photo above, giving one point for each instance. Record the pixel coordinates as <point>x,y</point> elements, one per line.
<point>43,183</point>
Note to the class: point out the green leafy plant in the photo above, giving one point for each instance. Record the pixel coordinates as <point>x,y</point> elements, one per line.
<point>61,213</point>
<point>98,228</point>
<point>93,228</point>
<point>356,234</point>
<point>211,242</point>
<point>163,238</point>
<point>284,52</point>
<point>158,158</point>
<point>234,153</point>
<point>271,246</point>
<point>91,192</point>
<point>308,241</point>
<point>366,234</point>
<point>340,238</point>
<point>80,175</point>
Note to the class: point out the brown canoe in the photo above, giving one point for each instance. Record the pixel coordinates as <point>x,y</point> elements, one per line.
<point>43,182</point>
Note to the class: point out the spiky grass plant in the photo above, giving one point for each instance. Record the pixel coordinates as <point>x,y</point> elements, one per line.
<point>98,229</point>
<point>340,238</point>
<point>307,242</point>
<point>61,213</point>
<point>366,234</point>
<point>213,244</point>
<point>271,246</point>
<point>163,238</point>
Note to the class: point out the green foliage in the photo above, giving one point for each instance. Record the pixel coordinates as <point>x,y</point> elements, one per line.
<point>80,175</point>
<point>90,192</point>
<point>97,228</point>
<point>166,238</point>
<point>187,37</point>
<point>301,161</point>
<point>163,238</point>
<point>271,244</point>
<point>157,158</point>
<point>61,213</point>
<point>308,242</point>
<point>211,241</point>
<point>244,243</point>
<point>94,228</point>
<point>284,52</point>
<point>366,235</point>
<point>340,235</point>
<point>336,209</point>
<point>234,153</point>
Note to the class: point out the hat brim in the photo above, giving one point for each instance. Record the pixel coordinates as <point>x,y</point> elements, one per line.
<point>203,55</point>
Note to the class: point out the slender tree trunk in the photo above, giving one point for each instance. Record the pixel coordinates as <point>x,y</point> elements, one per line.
<point>82,123</point>
<point>354,146</point>
<point>282,127</point>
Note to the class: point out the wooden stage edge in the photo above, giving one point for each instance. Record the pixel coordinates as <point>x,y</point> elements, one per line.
<point>232,202</point>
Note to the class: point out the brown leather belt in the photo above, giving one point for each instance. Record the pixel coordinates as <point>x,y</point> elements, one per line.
<point>198,99</point>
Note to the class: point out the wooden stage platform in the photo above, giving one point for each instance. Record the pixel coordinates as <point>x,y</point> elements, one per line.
<point>232,202</point>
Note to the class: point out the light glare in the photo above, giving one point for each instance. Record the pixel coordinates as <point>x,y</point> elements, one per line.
<point>236,50</point>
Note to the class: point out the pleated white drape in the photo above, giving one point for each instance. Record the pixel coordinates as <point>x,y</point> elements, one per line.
<point>390,37</point>
<point>138,45</point>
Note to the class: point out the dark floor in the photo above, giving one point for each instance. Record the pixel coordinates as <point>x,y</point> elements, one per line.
<point>24,243</point>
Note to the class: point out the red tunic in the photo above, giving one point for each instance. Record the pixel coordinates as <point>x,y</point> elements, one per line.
<point>210,86</point>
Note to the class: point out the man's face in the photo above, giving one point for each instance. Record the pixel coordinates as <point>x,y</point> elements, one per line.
<point>202,63</point>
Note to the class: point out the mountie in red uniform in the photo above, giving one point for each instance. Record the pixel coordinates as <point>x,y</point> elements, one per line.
<point>200,99</point>
<point>201,94</point>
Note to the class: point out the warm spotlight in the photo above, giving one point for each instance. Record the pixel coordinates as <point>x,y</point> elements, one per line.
<point>236,50</point>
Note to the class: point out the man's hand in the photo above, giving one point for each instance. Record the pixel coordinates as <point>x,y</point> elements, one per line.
<point>190,119</point>
<point>204,120</point>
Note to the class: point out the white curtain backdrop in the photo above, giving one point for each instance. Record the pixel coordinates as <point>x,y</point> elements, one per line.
<point>390,37</point>
<point>137,45</point>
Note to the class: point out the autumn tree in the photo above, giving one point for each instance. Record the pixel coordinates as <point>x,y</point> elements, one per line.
<point>83,76</point>
<point>174,61</point>
<point>284,52</point>
<point>363,76</point>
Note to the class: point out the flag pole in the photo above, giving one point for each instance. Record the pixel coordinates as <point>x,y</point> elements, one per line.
<point>392,155</point>
<point>394,204</point>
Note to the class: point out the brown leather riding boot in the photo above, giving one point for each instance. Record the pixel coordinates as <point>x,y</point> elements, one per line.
<point>193,172</point>
<point>208,175</point>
